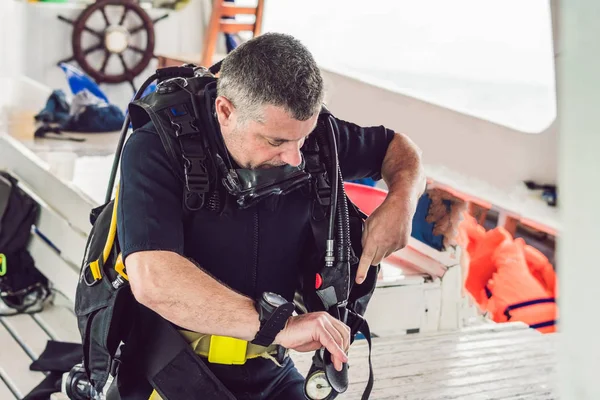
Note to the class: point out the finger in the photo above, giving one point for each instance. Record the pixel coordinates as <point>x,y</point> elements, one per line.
<point>365,262</point>
<point>330,344</point>
<point>337,364</point>
<point>364,236</point>
<point>344,330</point>
<point>337,335</point>
<point>379,255</point>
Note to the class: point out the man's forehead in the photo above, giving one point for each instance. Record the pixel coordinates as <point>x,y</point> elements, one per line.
<point>278,123</point>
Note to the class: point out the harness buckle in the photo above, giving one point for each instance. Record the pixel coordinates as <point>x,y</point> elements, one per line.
<point>227,350</point>
<point>322,190</point>
<point>196,174</point>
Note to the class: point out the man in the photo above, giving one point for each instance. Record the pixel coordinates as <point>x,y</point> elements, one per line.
<point>203,271</point>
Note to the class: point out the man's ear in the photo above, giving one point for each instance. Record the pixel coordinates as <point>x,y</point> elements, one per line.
<point>224,109</point>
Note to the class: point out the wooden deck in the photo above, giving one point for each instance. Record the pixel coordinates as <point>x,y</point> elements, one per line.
<point>492,361</point>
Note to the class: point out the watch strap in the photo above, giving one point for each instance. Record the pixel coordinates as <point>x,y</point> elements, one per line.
<point>267,333</point>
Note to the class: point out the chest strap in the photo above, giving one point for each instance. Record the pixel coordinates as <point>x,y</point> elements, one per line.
<point>194,153</point>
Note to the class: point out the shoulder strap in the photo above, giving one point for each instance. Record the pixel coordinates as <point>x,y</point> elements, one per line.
<point>194,152</point>
<point>174,111</point>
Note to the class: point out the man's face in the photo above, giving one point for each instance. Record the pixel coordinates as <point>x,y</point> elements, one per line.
<point>273,141</point>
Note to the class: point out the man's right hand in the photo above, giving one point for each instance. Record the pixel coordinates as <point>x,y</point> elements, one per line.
<point>309,332</point>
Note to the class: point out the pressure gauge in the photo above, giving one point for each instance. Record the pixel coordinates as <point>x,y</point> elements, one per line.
<point>317,386</point>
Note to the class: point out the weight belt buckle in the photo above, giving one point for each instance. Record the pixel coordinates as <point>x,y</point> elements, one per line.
<point>227,350</point>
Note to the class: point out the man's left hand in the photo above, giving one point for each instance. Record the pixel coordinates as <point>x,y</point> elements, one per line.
<point>386,230</point>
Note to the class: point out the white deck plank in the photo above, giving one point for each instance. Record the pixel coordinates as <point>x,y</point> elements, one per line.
<point>28,333</point>
<point>532,396</point>
<point>448,380</point>
<point>5,392</point>
<point>525,392</point>
<point>452,364</point>
<point>533,383</point>
<point>14,365</point>
<point>60,323</point>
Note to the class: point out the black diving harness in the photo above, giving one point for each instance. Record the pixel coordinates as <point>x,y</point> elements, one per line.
<point>333,281</point>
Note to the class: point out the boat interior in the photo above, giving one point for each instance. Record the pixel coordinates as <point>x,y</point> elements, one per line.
<point>477,86</point>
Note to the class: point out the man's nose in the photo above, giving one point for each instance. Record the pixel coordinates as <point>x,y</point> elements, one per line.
<point>292,155</point>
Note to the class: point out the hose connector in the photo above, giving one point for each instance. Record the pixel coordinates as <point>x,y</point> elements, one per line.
<point>329,257</point>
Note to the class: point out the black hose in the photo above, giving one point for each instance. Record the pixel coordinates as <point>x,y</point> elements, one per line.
<point>333,179</point>
<point>343,225</point>
<point>342,248</point>
<point>124,129</point>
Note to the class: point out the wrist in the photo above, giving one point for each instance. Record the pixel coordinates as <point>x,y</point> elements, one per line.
<point>249,321</point>
<point>255,324</point>
<point>404,197</point>
<point>274,312</point>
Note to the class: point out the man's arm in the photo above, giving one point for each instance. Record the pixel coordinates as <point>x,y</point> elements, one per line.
<point>151,235</point>
<point>388,228</point>
<point>192,299</point>
<point>403,172</point>
<point>182,293</point>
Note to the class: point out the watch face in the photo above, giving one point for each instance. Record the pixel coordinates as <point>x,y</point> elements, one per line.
<point>274,299</point>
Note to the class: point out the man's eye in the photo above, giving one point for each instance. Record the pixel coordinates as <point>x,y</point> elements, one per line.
<point>274,144</point>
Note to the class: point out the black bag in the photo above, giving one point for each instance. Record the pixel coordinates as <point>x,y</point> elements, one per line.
<point>22,286</point>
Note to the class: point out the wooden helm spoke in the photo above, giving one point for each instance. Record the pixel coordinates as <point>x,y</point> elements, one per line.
<point>115,39</point>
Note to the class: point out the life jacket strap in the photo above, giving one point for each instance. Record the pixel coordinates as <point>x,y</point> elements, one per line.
<point>508,309</point>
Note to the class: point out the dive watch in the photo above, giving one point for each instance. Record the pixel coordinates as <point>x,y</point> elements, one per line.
<point>273,312</point>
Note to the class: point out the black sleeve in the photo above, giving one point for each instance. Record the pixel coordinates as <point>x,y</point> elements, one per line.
<point>361,150</point>
<point>150,213</point>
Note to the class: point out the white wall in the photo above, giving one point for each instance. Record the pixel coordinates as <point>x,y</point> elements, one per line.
<point>579,143</point>
<point>10,38</point>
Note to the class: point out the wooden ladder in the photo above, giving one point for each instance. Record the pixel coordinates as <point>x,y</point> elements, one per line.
<point>221,21</point>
